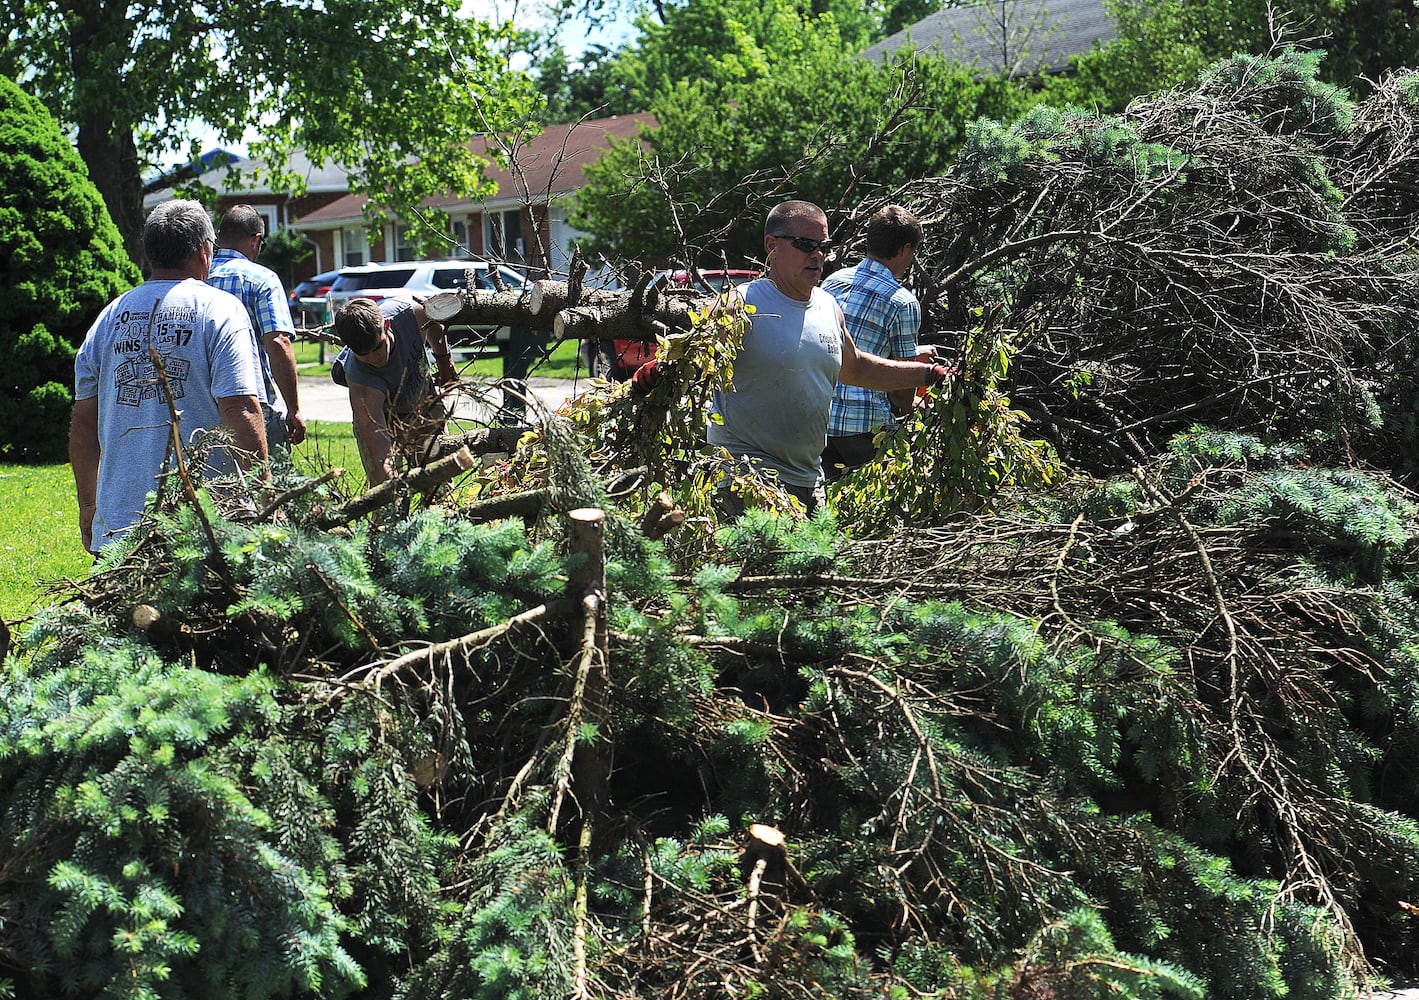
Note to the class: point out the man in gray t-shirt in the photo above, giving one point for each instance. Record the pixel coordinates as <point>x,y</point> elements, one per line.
<point>797,349</point>
<point>120,437</point>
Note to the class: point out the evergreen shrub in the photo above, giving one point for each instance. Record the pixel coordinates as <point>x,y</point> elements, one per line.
<point>61,261</point>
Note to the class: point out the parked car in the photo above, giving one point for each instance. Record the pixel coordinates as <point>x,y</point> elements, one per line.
<point>414,277</point>
<point>617,360</point>
<point>312,288</point>
<point>422,278</point>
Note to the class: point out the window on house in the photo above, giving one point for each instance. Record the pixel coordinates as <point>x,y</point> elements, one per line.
<point>458,229</point>
<point>403,245</point>
<point>268,218</point>
<point>505,240</point>
<point>354,246</point>
<point>562,238</point>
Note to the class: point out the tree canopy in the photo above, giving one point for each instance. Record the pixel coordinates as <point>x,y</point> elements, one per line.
<point>393,92</point>
<point>772,100</point>
<point>722,152</point>
<point>1167,43</point>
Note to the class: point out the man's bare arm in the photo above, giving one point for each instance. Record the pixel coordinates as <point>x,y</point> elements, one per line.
<point>437,338</point>
<point>84,454</point>
<point>372,433</point>
<point>873,372</point>
<point>243,415</point>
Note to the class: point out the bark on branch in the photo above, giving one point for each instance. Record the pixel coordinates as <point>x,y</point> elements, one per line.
<point>419,480</point>
<point>487,441</point>
<point>597,313</point>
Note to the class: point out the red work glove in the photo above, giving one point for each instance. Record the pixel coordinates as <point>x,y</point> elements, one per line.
<point>937,375</point>
<point>646,378</point>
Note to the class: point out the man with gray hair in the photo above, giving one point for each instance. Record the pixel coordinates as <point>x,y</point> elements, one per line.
<point>172,343</point>
<point>797,349</point>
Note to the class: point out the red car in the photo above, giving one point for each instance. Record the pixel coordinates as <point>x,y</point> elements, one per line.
<point>617,360</point>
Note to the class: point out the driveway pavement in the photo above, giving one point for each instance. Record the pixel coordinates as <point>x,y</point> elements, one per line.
<point>322,399</point>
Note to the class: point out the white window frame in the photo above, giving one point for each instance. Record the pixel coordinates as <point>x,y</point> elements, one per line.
<point>354,243</point>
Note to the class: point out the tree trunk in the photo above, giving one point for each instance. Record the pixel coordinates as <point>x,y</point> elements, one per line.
<point>597,314</point>
<point>106,144</point>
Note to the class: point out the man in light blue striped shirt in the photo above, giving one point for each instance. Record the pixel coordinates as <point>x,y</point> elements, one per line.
<point>883,318</point>
<point>240,237</point>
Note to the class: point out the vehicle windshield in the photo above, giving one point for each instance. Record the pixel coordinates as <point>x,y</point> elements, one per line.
<point>389,277</point>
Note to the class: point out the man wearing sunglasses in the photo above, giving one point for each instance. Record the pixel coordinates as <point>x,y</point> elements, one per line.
<point>796,351</point>
<point>883,317</point>
<point>240,238</point>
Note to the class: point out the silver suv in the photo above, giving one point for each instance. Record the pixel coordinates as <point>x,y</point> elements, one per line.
<point>422,278</point>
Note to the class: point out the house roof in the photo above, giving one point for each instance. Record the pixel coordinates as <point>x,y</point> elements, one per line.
<point>321,179</point>
<point>551,164</point>
<point>1020,37</point>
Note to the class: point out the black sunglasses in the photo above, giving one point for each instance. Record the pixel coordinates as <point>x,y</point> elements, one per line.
<point>804,245</point>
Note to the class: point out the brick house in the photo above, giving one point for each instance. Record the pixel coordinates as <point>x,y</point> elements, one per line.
<point>526,215</point>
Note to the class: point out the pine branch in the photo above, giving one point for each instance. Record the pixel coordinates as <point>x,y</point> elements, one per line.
<point>588,659</point>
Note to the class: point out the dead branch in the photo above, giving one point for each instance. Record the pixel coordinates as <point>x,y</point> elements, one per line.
<point>418,480</point>
<point>464,644</point>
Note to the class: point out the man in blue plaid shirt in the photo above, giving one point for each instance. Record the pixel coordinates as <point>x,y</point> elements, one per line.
<point>883,318</point>
<point>240,237</point>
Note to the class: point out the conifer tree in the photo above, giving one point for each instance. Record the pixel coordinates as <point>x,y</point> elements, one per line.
<point>61,261</point>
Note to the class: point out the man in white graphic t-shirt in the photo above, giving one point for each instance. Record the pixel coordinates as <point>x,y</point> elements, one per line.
<point>176,330</point>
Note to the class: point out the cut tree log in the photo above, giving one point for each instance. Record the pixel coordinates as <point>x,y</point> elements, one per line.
<point>480,307</point>
<point>598,314</point>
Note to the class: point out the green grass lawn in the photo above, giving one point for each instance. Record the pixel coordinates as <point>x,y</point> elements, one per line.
<point>329,444</point>
<point>39,535</point>
<point>39,517</point>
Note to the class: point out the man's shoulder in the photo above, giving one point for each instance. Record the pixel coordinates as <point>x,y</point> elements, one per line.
<point>841,278</point>
<point>188,291</point>
<point>402,318</point>
<point>219,306</point>
<point>861,282</point>
<point>393,305</point>
<point>239,269</point>
<point>206,291</point>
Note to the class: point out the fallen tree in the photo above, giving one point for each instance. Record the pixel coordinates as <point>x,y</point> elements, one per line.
<point>1030,733</point>
<point>572,313</point>
<point>1151,740</point>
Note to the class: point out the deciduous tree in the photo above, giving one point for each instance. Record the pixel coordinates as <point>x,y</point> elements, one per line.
<point>391,92</point>
<point>723,153</point>
<point>1167,43</point>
